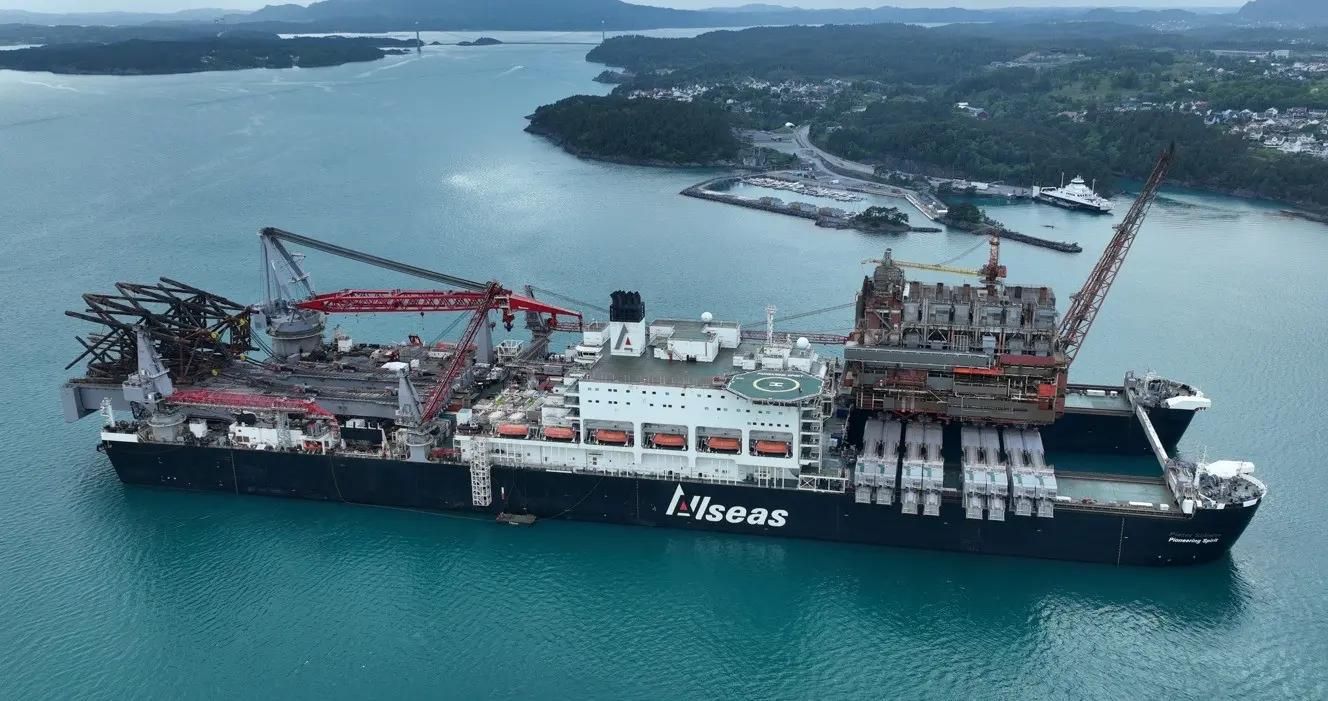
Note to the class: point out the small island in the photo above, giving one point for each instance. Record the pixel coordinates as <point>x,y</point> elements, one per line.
<point>639,131</point>
<point>482,41</point>
<point>881,220</point>
<point>218,53</point>
<point>966,216</point>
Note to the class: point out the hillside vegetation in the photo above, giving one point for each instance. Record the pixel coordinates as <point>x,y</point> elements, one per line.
<point>638,131</point>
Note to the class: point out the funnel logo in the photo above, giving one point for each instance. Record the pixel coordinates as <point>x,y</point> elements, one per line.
<point>700,508</point>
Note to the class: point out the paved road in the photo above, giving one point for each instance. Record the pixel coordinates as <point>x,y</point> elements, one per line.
<point>804,141</point>
<point>820,157</point>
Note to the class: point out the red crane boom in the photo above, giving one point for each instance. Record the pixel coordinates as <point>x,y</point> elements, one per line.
<point>494,296</point>
<point>375,301</point>
<point>1086,303</point>
<point>441,393</point>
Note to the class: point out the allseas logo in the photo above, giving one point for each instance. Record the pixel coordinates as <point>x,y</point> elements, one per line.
<point>700,508</point>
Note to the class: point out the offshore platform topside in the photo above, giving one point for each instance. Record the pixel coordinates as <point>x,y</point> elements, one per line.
<point>939,427</point>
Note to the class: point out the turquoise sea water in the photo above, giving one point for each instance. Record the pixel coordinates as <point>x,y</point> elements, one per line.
<point>111,592</point>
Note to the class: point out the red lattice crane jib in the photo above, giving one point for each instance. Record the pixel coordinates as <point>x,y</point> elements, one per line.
<point>1086,303</point>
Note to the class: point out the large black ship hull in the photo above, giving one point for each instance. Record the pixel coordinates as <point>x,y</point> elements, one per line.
<point>1075,533</point>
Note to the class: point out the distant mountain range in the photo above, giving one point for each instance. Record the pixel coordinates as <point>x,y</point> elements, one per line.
<point>567,15</point>
<point>1286,11</point>
<point>485,14</point>
<point>111,19</point>
<point>347,15</point>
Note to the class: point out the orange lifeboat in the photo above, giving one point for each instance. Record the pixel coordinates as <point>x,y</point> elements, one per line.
<point>780,448</point>
<point>559,433</point>
<point>720,444</point>
<point>611,437</point>
<point>513,430</point>
<point>669,440</point>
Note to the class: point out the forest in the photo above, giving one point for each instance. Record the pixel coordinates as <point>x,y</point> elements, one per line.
<point>1020,151</point>
<point>882,52</point>
<point>638,131</point>
<point>148,57</point>
<point>1086,98</point>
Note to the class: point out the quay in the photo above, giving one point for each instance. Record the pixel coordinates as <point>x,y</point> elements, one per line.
<point>827,217</point>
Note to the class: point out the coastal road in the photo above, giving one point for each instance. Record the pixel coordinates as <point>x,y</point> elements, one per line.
<point>821,158</point>
<point>843,169</point>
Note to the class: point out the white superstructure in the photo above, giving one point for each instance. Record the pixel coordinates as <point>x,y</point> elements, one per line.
<point>1076,195</point>
<point>667,399</point>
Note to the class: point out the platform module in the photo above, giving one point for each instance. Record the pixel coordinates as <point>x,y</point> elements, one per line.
<point>986,479</point>
<point>923,474</point>
<point>1032,480</point>
<point>876,474</point>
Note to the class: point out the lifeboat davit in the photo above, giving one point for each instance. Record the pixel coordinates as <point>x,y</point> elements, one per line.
<point>721,444</point>
<point>559,433</point>
<point>513,430</point>
<point>669,440</point>
<point>610,436</point>
<point>780,448</point>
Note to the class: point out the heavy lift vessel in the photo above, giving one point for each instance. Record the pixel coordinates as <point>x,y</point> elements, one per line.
<point>938,428</point>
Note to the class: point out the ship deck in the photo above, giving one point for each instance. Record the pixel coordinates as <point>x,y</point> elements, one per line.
<point>1081,401</point>
<point>1113,489</point>
<point>649,370</point>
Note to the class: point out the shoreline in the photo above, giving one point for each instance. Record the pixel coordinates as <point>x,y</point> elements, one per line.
<point>188,56</point>
<point>623,160</point>
<point>817,215</point>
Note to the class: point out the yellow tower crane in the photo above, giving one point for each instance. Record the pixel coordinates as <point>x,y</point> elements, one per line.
<point>991,273</point>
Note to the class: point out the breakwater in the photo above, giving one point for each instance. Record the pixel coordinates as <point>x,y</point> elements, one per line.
<point>990,226</point>
<point>828,217</point>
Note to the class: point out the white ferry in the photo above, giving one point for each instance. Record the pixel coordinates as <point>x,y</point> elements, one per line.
<point>1076,195</point>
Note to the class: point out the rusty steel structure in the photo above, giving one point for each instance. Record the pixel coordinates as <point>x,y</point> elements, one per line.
<point>195,332</point>
<point>989,352</point>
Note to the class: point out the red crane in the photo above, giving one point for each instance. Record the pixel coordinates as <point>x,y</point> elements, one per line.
<point>477,297</point>
<point>374,301</point>
<point>1086,303</point>
<point>493,296</point>
<point>442,392</point>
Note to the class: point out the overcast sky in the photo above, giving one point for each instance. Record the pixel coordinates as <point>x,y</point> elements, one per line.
<point>168,5</point>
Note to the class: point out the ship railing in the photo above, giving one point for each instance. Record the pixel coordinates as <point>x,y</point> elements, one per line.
<point>517,462</point>
<point>659,381</point>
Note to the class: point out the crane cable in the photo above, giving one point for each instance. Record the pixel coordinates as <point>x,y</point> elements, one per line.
<point>448,329</point>
<point>975,247</point>
<point>802,315</point>
<point>580,303</point>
